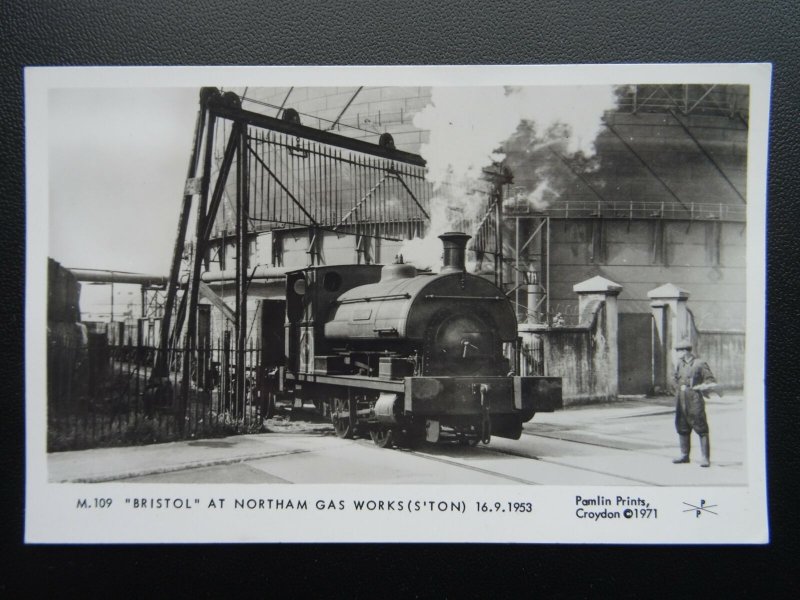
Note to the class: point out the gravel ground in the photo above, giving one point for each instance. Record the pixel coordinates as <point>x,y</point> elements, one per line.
<point>304,420</point>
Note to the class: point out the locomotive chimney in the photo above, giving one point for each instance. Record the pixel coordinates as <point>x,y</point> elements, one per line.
<point>455,246</point>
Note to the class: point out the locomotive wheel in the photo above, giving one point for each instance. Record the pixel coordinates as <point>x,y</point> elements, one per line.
<point>468,441</point>
<point>342,418</point>
<point>383,437</point>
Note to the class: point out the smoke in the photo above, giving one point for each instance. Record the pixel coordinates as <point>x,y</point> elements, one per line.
<point>465,125</point>
<point>468,126</point>
<point>426,253</point>
<point>530,130</point>
<point>541,197</point>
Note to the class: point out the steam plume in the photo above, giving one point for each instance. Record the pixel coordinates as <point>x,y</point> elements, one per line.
<point>529,129</point>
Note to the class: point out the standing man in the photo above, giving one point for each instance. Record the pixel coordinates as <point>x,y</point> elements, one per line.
<point>692,378</point>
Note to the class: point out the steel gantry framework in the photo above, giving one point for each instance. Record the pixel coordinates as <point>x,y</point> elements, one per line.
<point>284,174</point>
<point>708,99</point>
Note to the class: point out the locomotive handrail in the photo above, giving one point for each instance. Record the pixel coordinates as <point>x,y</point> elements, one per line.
<point>444,297</point>
<point>371,298</point>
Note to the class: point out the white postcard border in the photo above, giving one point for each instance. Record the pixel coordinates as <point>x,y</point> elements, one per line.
<point>51,516</point>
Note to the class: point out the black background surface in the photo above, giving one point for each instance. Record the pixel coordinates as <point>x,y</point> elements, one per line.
<point>171,32</point>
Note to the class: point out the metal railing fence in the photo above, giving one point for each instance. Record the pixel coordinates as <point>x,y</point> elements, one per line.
<point>101,395</point>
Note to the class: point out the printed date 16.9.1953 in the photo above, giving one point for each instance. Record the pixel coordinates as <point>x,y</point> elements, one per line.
<point>501,507</point>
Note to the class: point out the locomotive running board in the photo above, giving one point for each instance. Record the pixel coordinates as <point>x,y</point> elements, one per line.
<point>355,381</point>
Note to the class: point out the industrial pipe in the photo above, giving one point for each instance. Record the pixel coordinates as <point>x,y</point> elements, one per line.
<point>260,273</point>
<point>101,276</point>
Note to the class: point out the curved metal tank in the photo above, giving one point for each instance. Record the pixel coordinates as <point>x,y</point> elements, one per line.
<point>403,304</point>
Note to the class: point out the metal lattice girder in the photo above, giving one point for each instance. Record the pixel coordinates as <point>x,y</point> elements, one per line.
<point>226,111</point>
<point>297,182</point>
<point>161,359</point>
<point>727,100</point>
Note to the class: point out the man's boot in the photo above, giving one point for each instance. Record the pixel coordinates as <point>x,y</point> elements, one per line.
<point>705,448</point>
<point>686,442</point>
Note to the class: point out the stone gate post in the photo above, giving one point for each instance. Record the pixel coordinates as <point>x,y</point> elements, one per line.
<point>605,362</point>
<point>668,304</point>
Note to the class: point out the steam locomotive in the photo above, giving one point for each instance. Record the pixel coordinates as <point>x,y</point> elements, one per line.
<point>406,356</point>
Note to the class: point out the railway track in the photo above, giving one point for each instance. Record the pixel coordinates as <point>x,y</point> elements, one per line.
<point>540,451</point>
<point>580,449</point>
<point>521,453</point>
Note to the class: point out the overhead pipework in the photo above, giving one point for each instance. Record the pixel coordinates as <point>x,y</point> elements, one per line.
<point>103,276</point>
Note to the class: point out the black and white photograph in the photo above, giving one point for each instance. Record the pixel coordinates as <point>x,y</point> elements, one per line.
<point>478,304</point>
